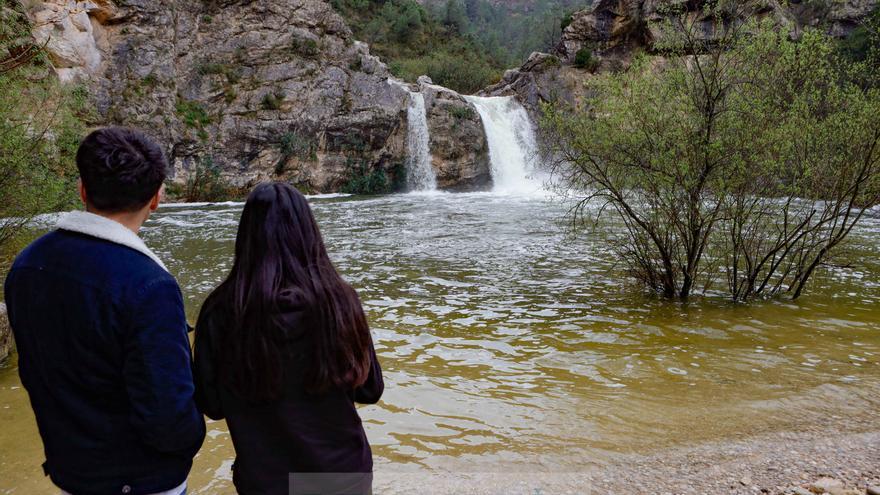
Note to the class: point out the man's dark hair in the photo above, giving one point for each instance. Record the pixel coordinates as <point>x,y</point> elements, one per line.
<point>121,169</point>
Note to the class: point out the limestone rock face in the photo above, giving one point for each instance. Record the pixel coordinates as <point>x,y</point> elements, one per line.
<point>612,25</point>
<point>71,32</point>
<point>611,22</point>
<point>269,90</point>
<point>6,342</point>
<point>459,151</point>
<point>542,78</point>
<point>613,30</point>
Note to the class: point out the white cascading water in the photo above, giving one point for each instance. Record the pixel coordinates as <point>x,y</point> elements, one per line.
<point>419,171</point>
<point>512,145</point>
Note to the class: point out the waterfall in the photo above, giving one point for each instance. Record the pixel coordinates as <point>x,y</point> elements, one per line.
<point>419,171</point>
<point>511,139</point>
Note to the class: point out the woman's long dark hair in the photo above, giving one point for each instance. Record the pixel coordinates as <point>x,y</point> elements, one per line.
<point>279,249</point>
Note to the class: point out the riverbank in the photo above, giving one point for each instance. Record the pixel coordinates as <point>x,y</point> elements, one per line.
<point>6,342</point>
<point>800,463</point>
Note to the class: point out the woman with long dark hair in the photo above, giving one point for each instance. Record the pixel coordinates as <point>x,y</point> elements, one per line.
<point>283,351</point>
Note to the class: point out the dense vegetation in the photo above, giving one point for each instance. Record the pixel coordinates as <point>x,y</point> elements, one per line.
<point>41,125</point>
<point>742,164</point>
<point>461,44</point>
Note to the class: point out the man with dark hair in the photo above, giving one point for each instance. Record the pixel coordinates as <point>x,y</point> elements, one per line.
<point>101,333</point>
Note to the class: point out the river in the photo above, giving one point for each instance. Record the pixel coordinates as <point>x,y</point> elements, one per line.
<point>508,345</point>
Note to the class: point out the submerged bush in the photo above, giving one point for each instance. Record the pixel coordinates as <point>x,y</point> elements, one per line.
<point>747,183</point>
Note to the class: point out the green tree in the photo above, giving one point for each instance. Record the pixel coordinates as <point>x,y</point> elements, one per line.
<point>456,16</point>
<point>41,125</point>
<point>753,158</point>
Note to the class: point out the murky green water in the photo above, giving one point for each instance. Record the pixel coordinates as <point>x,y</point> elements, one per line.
<point>507,346</point>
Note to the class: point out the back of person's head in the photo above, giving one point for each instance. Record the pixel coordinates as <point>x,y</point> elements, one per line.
<point>121,169</point>
<point>280,256</point>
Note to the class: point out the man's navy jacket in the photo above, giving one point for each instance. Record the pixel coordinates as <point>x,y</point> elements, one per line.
<point>104,355</point>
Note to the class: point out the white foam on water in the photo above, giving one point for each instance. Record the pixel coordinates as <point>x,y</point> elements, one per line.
<point>241,203</point>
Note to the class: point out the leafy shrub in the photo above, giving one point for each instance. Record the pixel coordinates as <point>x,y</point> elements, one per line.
<point>305,47</point>
<point>362,180</point>
<point>584,59</point>
<point>461,112</point>
<point>193,113</point>
<point>272,101</point>
<point>41,126</point>
<point>203,183</point>
<point>565,21</point>
<point>232,73</point>
<point>863,46</point>
<point>294,144</point>
<point>454,71</point>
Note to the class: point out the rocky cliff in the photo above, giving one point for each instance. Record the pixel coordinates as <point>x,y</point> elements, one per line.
<point>254,91</point>
<point>459,151</point>
<point>613,30</point>
<point>615,26</point>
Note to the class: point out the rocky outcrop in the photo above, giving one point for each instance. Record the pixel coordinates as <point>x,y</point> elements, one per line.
<point>459,151</point>
<point>254,91</point>
<point>615,27</point>
<point>613,30</point>
<point>542,78</point>
<point>6,342</point>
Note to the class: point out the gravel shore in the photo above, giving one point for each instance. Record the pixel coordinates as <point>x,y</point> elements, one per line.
<point>824,460</point>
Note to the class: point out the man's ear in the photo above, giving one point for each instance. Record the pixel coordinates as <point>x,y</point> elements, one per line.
<point>154,203</point>
<point>82,192</point>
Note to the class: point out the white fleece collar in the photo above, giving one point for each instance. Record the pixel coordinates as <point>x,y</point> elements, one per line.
<point>104,228</point>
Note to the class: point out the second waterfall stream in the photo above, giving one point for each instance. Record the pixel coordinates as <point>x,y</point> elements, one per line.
<point>420,172</point>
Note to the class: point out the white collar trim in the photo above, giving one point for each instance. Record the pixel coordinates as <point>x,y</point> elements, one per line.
<point>109,230</point>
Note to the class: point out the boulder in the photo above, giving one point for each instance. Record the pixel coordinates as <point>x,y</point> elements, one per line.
<point>459,150</point>
<point>542,78</point>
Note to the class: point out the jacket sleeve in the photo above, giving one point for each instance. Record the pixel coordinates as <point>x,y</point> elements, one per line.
<point>371,391</point>
<point>157,371</point>
<point>204,371</point>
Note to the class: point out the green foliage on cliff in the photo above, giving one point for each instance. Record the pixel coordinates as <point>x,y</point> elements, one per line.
<point>510,31</point>
<point>741,168</point>
<point>461,44</point>
<point>583,59</point>
<point>361,178</point>
<point>414,42</point>
<point>862,46</point>
<point>192,113</point>
<point>41,125</point>
<point>204,182</point>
